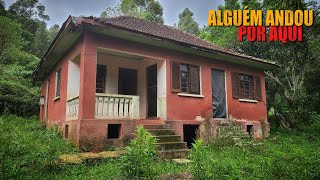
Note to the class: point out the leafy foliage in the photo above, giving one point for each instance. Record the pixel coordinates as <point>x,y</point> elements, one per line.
<point>141,152</point>
<point>150,10</point>
<point>24,39</point>
<point>187,22</point>
<point>198,156</point>
<point>28,150</point>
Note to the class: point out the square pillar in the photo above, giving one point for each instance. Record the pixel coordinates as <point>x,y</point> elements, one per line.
<point>88,68</point>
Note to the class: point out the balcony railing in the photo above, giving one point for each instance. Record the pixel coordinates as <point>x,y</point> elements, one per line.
<point>116,106</point>
<point>72,108</point>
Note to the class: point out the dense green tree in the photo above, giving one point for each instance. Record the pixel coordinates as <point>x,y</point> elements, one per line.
<point>187,22</point>
<point>150,10</point>
<point>41,40</point>
<point>53,31</point>
<point>28,9</point>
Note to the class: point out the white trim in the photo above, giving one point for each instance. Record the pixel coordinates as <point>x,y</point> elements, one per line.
<point>248,100</point>
<point>56,85</point>
<point>130,53</point>
<point>190,95</point>
<point>56,98</point>
<point>47,101</point>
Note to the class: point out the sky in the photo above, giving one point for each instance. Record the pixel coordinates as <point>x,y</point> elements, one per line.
<point>59,10</point>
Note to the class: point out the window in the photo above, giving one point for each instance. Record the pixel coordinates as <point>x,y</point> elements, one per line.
<point>100,78</point>
<point>58,83</point>
<point>246,86</point>
<point>184,68</point>
<point>185,78</point>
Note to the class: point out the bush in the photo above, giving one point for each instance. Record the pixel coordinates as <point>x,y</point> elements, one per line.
<point>199,157</point>
<point>27,149</point>
<point>140,154</point>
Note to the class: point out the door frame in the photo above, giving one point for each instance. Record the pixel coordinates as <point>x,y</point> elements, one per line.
<point>47,102</point>
<point>225,89</point>
<point>147,91</point>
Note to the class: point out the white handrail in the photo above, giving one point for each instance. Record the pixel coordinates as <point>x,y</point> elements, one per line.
<point>116,106</point>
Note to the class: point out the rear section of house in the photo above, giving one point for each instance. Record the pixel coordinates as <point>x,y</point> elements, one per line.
<point>101,78</point>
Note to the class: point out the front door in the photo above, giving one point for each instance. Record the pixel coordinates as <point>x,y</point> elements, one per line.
<point>152,90</point>
<point>127,82</point>
<point>218,94</point>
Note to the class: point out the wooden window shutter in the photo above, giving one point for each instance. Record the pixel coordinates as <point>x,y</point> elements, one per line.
<point>175,77</point>
<point>194,79</point>
<point>235,85</point>
<point>257,88</point>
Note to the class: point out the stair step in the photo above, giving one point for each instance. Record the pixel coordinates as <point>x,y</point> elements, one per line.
<point>156,126</point>
<point>162,131</point>
<point>171,145</point>
<point>168,138</point>
<point>174,154</point>
<point>149,121</point>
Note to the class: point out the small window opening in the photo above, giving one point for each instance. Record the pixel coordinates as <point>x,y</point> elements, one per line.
<point>66,131</point>
<point>190,134</point>
<point>114,131</point>
<point>250,129</point>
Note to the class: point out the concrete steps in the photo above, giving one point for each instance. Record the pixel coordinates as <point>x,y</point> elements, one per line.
<point>168,138</point>
<point>169,145</point>
<point>174,154</point>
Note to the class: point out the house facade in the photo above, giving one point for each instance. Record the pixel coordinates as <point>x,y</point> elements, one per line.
<point>103,77</point>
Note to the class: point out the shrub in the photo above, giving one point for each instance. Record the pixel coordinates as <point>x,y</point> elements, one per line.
<point>199,157</point>
<point>28,150</point>
<point>140,154</point>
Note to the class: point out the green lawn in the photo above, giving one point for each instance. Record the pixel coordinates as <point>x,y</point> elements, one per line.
<point>29,151</point>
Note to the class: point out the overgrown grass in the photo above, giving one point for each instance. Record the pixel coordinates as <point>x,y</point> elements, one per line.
<point>29,151</point>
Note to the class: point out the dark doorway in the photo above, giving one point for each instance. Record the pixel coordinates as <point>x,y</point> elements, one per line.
<point>114,131</point>
<point>218,94</point>
<point>66,132</point>
<point>250,129</point>
<point>190,134</point>
<point>127,83</point>
<point>101,78</point>
<point>152,90</point>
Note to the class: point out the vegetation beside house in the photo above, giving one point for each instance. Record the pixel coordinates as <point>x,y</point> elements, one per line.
<point>30,151</point>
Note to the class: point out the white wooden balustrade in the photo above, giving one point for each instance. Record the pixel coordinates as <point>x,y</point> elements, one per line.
<point>116,106</point>
<point>72,108</point>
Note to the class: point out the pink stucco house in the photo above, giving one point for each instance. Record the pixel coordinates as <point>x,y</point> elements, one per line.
<point>103,77</point>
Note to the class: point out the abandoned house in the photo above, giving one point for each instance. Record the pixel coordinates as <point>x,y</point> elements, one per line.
<point>101,78</point>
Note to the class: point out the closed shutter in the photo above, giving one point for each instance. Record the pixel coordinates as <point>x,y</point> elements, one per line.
<point>235,85</point>
<point>257,89</point>
<point>194,79</point>
<point>175,77</point>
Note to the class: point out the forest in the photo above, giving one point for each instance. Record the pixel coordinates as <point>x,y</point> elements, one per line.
<point>293,96</point>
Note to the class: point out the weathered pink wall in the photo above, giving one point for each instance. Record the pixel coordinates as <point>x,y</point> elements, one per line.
<point>187,108</point>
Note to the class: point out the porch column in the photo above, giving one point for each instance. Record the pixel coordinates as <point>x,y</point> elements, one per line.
<point>88,65</point>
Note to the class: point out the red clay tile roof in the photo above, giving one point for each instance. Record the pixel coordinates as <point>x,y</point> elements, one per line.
<point>165,32</point>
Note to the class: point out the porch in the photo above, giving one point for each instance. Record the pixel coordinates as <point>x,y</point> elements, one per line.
<point>128,87</point>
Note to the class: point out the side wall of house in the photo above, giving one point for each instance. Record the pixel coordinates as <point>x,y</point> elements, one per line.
<point>187,108</point>
<point>57,107</point>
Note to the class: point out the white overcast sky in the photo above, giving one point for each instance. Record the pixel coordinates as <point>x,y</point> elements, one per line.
<point>59,10</point>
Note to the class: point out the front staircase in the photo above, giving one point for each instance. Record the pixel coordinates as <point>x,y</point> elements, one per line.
<point>169,145</point>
